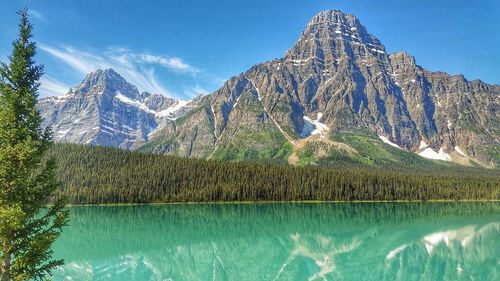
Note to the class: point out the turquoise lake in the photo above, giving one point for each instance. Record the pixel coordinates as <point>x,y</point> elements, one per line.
<point>323,241</point>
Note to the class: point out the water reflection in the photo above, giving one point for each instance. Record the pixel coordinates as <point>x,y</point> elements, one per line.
<point>283,242</point>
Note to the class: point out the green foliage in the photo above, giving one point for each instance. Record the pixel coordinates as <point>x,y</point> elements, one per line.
<point>159,144</point>
<point>324,154</point>
<point>95,175</point>
<point>494,152</point>
<point>307,155</point>
<point>284,151</point>
<point>27,181</point>
<point>372,151</point>
<point>268,144</point>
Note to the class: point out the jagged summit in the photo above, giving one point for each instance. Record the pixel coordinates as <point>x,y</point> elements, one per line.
<point>331,35</point>
<point>337,21</point>
<point>107,82</point>
<point>100,76</point>
<point>333,18</point>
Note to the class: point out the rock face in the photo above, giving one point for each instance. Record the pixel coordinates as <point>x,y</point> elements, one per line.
<point>449,111</point>
<point>337,79</point>
<point>106,110</point>
<point>340,75</point>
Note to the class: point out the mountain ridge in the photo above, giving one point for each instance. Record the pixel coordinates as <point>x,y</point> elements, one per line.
<point>336,79</point>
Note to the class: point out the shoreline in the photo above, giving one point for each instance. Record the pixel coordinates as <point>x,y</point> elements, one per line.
<point>279,202</point>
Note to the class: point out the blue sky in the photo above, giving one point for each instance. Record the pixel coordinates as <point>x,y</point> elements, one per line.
<point>183,48</point>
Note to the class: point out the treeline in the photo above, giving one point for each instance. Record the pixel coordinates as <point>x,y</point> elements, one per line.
<point>95,175</point>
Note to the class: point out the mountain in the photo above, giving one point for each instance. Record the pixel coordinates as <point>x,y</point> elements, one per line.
<point>336,96</point>
<point>107,110</point>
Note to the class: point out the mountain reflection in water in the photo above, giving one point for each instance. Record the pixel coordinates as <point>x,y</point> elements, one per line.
<point>342,241</point>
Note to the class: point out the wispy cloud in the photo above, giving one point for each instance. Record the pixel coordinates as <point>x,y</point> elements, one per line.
<point>137,68</point>
<point>172,63</point>
<point>36,14</point>
<point>51,87</point>
<point>80,61</point>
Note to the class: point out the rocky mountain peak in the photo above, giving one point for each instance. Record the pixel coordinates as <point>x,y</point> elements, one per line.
<point>107,82</point>
<point>332,16</point>
<point>333,35</point>
<point>342,24</point>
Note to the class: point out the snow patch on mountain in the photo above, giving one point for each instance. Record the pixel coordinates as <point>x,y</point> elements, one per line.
<point>313,127</point>
<point>169,112</point>
<point>429,153</point>
<point>133,102</point>
<point>386,140</point>
<point>422,145</point>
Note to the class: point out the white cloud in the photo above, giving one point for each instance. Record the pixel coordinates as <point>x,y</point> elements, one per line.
<point>36,14</point>
<point>136,68</point>
<point>77,60</point>
<point>51,87</point>
<point>171,63</point>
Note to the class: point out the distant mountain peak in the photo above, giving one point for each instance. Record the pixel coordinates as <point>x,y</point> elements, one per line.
<point>107,110</point>
<point>107,82</point>
<point>100,74</point>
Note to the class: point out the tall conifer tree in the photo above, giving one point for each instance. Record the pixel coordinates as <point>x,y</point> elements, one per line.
<point>27,226</point>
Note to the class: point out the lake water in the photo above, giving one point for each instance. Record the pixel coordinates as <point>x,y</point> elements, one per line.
<point>361,241</point>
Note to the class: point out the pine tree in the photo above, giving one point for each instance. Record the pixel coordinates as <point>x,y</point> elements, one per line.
<point>27,180</point>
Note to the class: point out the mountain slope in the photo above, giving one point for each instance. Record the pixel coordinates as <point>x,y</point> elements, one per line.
<point>339,77</point>
<point>336,96</point>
